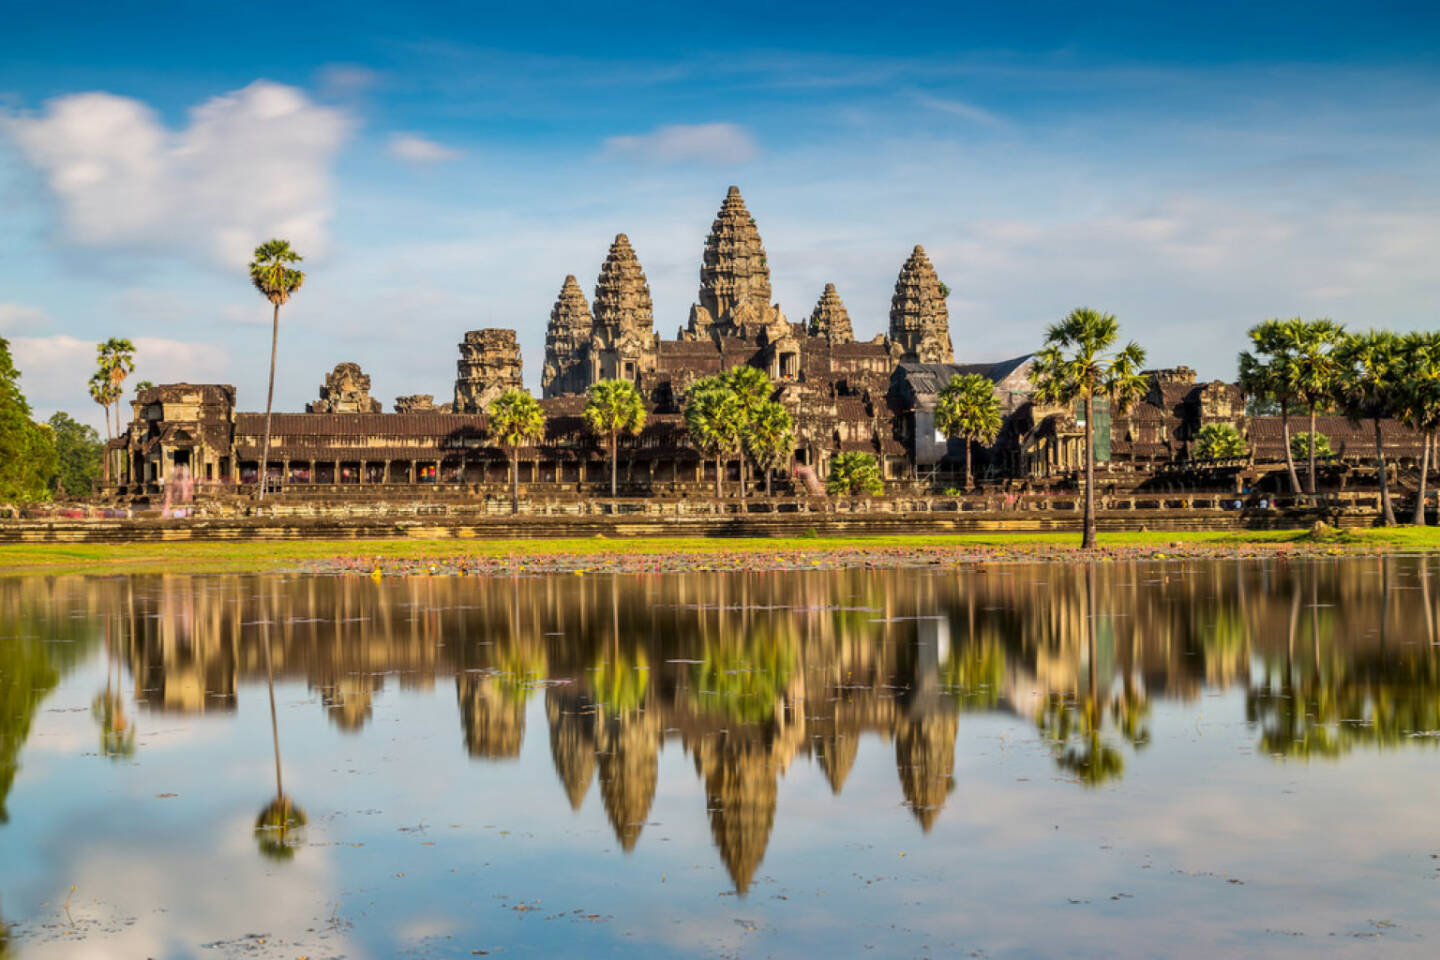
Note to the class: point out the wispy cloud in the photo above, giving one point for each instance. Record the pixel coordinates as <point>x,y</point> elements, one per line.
<point>717,143</point>
<point>959,108</point>
<point>18,318</point>
<point>413,149</point>
<point>250,164</point>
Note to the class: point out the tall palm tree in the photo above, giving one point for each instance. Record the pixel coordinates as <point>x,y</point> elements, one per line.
<point>1420,399</point>
<point>614,407</point>
<point>101,391</point>
<point>968,410</point>
<point>1266,374</point>
<point>1367,388</point>
<point>752,389</point>
<point>1089,367</point>
<point>1315,371</point>
<point>514,420</point>
<point>116,360</point>
<point>770,439</point>
<point>277,281</point>
<point>712,419</point>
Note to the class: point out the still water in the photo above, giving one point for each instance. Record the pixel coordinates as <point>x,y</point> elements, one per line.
<point>1157,759</point>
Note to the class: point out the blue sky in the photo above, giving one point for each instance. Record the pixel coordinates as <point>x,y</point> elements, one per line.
<point>1193,170</point>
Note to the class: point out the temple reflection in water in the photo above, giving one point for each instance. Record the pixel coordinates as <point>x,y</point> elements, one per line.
<point>745,673</point>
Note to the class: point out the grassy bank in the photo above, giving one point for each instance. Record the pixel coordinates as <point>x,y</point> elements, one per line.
<point>230,556</point>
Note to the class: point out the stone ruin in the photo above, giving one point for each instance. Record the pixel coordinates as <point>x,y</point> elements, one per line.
<point>735,281</point>
<point>623,345</point>
<point>416,403</point>
<point>489,365</point>
<point>919,318</point>
<point>346,390</point>
<point>567,342</point>
<point>830,319</point>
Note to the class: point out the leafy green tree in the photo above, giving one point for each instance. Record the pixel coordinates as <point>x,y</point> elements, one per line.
<point>103,392</point>
<point>1076,363</point>
<point>752,389</point>
<point>78,454</point>
<point>272,275</point>
<point>1368,388</point>
<point>514,420</point>
<point>1267,376</point>
<point>1419,406</point>
<point>142,386</point>
<point>770,439</point>
<point>853,473</point>
<point>27,448</point>
<point>614,407</point>
<point>1315,372</point>
<point>1300,445</point>
<point>712,419</point>
<point>1218,441</point>
<point>115,360</point>
<point>968,410</point>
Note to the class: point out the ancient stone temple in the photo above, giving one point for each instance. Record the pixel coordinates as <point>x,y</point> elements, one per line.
<point>489,365</point>
<point>346,390</point>
<point>623,345</point>
<point>567,342</point>
<point>919,319</point>
<point>830,319</point>
<point>735,280</point>
<point>416,403</point>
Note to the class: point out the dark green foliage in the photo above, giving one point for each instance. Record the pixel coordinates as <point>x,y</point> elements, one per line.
<point>853,473</point>
<point>27,448</point>
<point>78,454</point>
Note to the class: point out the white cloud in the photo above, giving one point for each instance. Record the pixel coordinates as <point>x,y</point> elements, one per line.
<point>15,317</point>
<point>249,165</point>
<point>719,143</point>
<point>959,108</point>
<point>413,149</point>
<point>54,370</point>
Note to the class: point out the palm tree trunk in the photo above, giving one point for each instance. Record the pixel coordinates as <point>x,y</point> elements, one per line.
<point>719,469</point>
<point>1289,456</point>
<point>968,482</point>
<point>614,464</point>
<point>269,402</point>
<point>1311,479</point>
<point>108,436</point>
<point>1419,518</point>
<point>270,684</point>
<point>1087,540</point>
<point>1387,513</point>
<point>514,480</point>
<point>769,482</point>
<point>740,456</point>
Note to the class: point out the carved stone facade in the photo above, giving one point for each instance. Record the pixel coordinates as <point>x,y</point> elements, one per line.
<point>830,319</point>
<point>416,403</point>
<point>567,342</point>
<point>489,365</point>
<point>346,390</point>
<point>735,281</point>
<point>623,345</point>
<point>919,319</point>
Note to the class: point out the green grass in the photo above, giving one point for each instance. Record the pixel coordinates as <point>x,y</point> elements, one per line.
<point>218,556</point>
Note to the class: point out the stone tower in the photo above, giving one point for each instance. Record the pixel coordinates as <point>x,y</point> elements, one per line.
<point>830,319</point>
<point>346,390</point>
<point>735,280</point>
<point>567,343</point>
<point>919,319</point>
<point>623,345</point>
<point>489,365</point>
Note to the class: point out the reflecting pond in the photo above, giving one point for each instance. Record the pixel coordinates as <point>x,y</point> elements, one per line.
<point>1141,759</point>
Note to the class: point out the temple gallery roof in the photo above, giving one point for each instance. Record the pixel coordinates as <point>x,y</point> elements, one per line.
<point>932,377</point>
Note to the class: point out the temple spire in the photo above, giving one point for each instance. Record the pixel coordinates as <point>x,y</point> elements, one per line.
<point>919,319</point>
<point>567,342</point>
<point>734,276</point>
<point>830,319</point>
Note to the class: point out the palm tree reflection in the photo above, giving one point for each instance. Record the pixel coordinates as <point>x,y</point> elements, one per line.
<point>117,734</point>
<point>280,827</point>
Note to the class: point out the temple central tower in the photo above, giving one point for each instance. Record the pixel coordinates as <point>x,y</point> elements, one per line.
<point>919,318</point>
<point>735,280</point>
